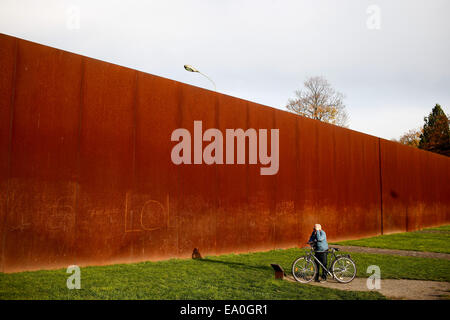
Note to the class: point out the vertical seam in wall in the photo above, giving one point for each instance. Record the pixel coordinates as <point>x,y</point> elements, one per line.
<point>78,173</point>
<point>11,119</point>
<point>381,185</point>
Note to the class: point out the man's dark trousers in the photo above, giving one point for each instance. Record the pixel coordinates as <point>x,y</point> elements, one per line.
<point>322,257</point>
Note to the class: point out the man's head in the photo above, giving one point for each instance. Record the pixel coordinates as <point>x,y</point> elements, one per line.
<point>317,227</point>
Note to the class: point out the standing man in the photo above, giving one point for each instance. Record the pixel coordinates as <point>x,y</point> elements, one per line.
<point>319,240</point>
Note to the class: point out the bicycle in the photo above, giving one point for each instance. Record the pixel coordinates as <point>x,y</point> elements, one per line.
<point>343,268</point>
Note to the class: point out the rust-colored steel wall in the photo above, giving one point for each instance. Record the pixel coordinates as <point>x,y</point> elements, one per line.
<point>86,175</point>
<point>416,188</point>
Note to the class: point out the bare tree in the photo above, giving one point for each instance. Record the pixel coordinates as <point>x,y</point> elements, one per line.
<point>318,100</point>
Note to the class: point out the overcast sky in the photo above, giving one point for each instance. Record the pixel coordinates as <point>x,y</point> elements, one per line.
<point>390,58</point>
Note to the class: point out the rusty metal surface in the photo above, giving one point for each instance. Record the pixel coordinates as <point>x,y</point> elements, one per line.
<point>416,188</point>
<point>86,175</point>
<point>8,47</point>
<point>39,211</point>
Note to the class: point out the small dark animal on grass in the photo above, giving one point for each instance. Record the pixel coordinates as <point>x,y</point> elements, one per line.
<point>196,254</point>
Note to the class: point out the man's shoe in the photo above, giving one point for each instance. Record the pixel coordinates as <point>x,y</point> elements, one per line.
<point>316,280</point>
<point>324,279</point>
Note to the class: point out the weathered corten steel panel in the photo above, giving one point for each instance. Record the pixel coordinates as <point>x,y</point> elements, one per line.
<point>338,180</point>
<point>41,195</point>
<point>287,215</point>
<point>232,183</point>
<point>196,212</point>
<point>86,175</point>
<point>357,201</point>
<point>105,160</point>
<point>260,216</point>
<point>151,218</point>
<point>8,49</point>
<point>415,188</point>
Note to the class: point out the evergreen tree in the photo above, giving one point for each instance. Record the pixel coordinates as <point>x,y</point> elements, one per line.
<point>435,136</point>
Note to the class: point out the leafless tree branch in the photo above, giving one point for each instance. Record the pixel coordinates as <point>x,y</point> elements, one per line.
<point>318,100</point>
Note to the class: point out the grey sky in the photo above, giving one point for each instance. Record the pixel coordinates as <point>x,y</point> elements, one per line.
<point>263,50</point>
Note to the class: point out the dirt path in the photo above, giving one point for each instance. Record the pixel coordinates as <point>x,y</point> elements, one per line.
<point>393,288</point>
<point>419,254</point>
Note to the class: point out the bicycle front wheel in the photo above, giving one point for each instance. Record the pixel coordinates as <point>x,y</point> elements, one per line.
<point>344,269</point>
<point>304,269</point>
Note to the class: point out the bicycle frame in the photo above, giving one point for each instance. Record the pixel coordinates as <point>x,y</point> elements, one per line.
<point>333,258</point>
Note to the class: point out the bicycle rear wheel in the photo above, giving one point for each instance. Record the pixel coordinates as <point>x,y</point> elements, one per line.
<point>304,269</point>
<point>344,269</point>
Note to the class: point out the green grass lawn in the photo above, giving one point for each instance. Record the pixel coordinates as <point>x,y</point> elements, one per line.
<point>399,267</point>
<point>441,228</point>
<point>243,276</point>
<point>424,240</point>
<point>246,276</point>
